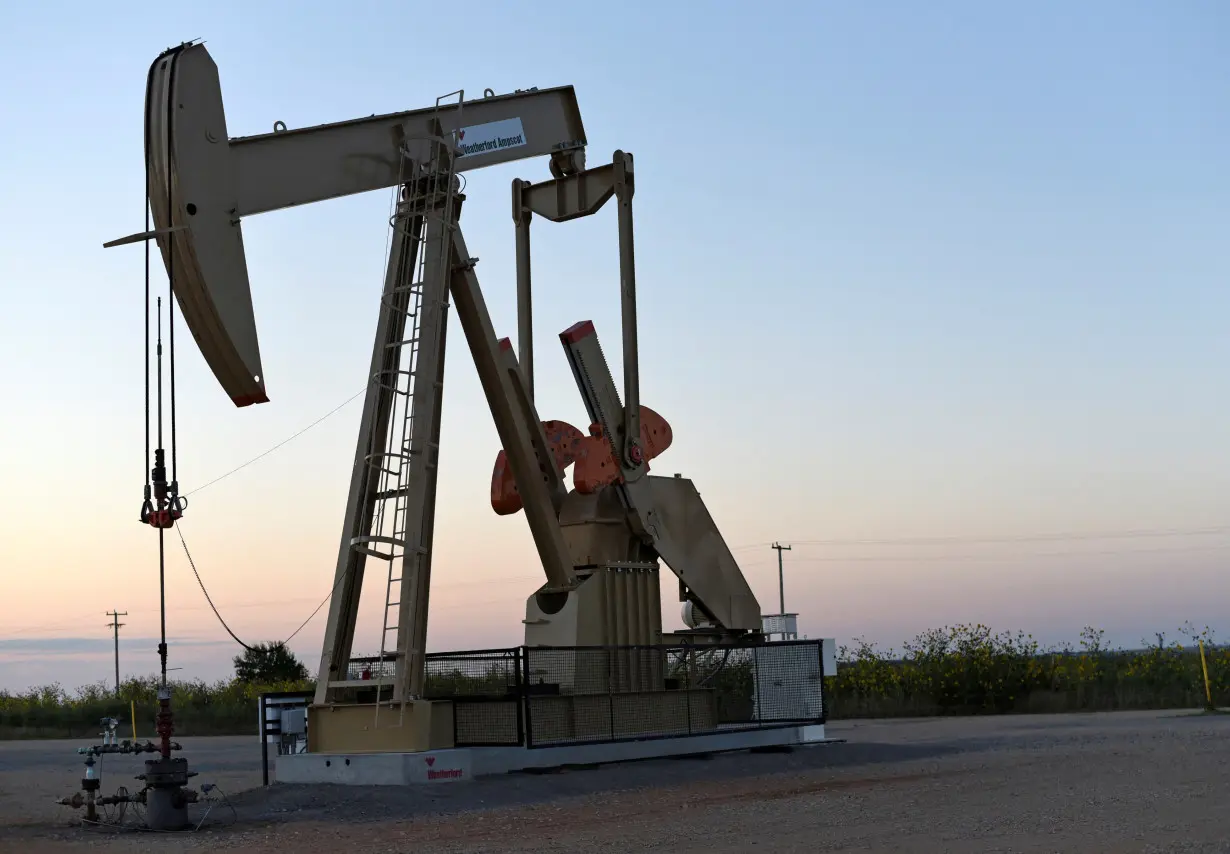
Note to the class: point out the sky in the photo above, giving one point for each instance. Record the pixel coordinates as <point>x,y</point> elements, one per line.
<point>935,293</point>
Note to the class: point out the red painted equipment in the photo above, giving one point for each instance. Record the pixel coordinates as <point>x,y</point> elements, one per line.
<point>593,463</point>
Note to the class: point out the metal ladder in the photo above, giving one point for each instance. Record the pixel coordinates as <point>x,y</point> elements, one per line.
<point>406,437</point>
<point>390,464</point>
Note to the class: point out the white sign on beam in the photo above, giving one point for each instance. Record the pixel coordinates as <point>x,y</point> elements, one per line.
<point>492,136</point>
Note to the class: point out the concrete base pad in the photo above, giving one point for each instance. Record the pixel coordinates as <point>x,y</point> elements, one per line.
<point>465,763</point>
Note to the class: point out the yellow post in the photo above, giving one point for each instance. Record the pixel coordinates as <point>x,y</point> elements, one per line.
<point>1208,692</point>
<point>134,720</point>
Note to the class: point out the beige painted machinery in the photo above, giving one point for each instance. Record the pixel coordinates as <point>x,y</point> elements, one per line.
<point>602,541</point>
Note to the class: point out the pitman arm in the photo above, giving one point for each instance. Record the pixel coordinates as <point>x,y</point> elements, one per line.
<point>201,182</point>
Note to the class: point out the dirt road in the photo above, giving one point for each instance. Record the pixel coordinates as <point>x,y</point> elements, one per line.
<point>1128,782</point>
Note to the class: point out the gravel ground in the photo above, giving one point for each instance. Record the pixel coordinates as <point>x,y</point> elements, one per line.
<point>1124,782</point>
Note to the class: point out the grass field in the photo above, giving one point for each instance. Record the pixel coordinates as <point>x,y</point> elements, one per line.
<point>967,669</point>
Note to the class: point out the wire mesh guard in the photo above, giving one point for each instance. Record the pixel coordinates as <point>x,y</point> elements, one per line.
<point>545,696</point>
<point>624,693</point>
<point>370,667</point>
<point>485,687</point>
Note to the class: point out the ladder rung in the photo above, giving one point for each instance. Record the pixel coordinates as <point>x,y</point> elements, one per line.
<point>396,372</point>
<point>374,553</point>
<point>392,605</point>
<point>393,454</point>
<point>393,493</point>
<point>409,311</point>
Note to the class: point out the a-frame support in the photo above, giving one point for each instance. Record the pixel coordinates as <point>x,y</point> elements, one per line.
<point>410,344</point>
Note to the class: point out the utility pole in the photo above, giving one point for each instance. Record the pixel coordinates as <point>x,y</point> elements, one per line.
<point>781,583</point>
<point>115,629</point>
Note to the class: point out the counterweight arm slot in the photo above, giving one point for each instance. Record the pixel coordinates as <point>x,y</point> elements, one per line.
<point>516,421</point>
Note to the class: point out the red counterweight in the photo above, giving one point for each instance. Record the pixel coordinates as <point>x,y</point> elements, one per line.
<point>596,467</point>
<point>562,438</point>
<point>590,456</point>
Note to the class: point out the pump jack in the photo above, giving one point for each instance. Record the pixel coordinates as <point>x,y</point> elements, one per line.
<point>599,543</point>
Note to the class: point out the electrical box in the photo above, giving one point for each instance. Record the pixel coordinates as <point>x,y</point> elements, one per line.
<point>788,683</point>
<point>828,656</point>
<point>294,721</point>
<point>780,624</point>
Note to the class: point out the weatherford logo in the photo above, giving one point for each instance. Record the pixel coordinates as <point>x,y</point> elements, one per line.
<point>491,137</point>
<point>442,773</point>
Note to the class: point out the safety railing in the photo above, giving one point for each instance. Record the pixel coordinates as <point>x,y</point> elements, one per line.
<point>554,696</point>
<point>586,695</point>
<point>543,696</point>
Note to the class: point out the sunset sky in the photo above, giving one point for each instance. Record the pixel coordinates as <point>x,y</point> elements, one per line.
<point>936,293</point>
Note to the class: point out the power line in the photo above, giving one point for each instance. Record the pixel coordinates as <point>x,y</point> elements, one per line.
<point>192,564</point>
<point>285,441</point>
<point>887,541</point>
<point>851,541</point>
<point>1019,556</point>
<point>214,608</point>
<point>837,541</point>
<point>781,584</point>
<point>328,596</point>
<point>1212,530</point>
<point>1023,538</point>
<point>264,603</point>
<point>316,611</point>
<point>49,627</point>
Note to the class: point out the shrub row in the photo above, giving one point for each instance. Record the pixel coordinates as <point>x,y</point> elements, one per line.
<point>965,669</point>
<point>969,669</point>
<point>221,708</point>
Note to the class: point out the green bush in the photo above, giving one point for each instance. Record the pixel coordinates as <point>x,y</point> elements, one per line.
<point>968,669</point>
<point>200,709</point>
